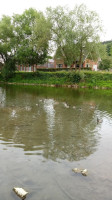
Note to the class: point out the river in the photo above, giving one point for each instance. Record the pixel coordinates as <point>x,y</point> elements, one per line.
<point>45,133</point>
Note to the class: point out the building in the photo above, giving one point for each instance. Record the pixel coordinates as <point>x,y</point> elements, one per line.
<point>91,64</point>
<point>58,63</point>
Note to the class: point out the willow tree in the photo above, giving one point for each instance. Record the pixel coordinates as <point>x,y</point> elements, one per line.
<point>41,36</point>
<point>62,35</point>
<point>88,28</point>
<point>75,33</point>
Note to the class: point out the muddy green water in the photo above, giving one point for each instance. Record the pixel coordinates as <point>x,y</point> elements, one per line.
<point>45,132</point>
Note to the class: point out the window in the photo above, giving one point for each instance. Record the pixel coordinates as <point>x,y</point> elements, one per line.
<point>87,65</point>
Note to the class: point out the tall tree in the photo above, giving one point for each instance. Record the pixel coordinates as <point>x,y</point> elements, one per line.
<point>88,28</point>
<point>6,38</point>
<point>7,46</point>
<point>24,39</point>
<point>27,52</point>
<point>62,35</point>
<point>75,33</point>
<point>41,36</point>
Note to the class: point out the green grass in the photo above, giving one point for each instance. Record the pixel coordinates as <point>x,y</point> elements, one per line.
<point>82,78</point>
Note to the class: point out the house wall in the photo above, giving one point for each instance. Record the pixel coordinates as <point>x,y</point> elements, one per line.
<point>57,63</point>
<point>91,63</point>
<point>29,68</point>
<point>26,68</point>
<point>51,64</point>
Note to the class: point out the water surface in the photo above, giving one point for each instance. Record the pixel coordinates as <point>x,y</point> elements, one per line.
<point>45,132</point>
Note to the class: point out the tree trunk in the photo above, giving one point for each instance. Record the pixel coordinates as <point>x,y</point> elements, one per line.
<point>80,60</point>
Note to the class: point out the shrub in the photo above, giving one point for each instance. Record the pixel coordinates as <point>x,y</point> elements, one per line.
<point>75,77</point>
<point>105,64</point>
<point>8,69</point>
<point>86,78</point>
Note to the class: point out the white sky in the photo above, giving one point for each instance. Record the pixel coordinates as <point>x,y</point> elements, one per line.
<point>102,7</point>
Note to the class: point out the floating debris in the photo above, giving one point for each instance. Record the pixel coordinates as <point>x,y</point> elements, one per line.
<point>84,172</point>
<point>20,192</point>
<point>76,170</point>
<point>74,107</point>
<point>66,105</point>
<point>99,120</point>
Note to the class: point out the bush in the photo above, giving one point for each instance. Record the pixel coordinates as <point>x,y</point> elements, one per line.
<point>82,78</point>
<point>58,77</point>
<point>75,77</point>
<point>8,69</point>
<point>105,64</point>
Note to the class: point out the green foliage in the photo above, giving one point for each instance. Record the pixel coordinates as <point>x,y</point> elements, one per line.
<point>7,41</point>
<point>63,69</point>
<point>24,39</point>
<point>105,64</point>
<point>75,33</point>
<point>75,77</point>
<point>108,45</point>
<point>28,37</point>
<point>59,78</point>
<point>7,47</point>
<point>98,79</point>
<point>41,33</point>
<point>30,33</point>
<point>8,69</point>
<point>87,27</point>
<point>62,34</point>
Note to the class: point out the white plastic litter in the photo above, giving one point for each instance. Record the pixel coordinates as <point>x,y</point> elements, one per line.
<point>20,192</point>
<point>84,172</point>
<point>76,170</point>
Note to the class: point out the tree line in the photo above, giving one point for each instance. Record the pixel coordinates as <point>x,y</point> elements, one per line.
<point>31,37</point>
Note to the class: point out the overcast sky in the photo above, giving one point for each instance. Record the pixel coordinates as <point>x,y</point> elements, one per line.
<point>102,7</point>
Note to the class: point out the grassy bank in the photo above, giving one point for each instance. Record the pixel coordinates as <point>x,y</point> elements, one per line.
<point>82,79</point>
<point>97,79</point>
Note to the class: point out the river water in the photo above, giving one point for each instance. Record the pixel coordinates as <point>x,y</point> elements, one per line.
<point>45,133</point>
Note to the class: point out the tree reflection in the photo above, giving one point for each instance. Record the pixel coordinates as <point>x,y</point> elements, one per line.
<point>45,127</point>
<point>74,137</point>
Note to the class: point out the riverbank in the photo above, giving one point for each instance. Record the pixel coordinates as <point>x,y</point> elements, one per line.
<point>70,79</point>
